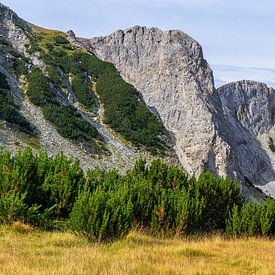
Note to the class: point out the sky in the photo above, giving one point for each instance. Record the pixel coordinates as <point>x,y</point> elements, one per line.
<point>233,33</point>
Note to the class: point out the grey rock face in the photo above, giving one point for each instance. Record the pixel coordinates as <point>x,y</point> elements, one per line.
<point>251,103</point>
<point>210,128</point>
<point>165,67</point>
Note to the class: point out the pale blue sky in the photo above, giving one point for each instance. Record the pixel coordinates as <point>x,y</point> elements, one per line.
<point>233,32</point>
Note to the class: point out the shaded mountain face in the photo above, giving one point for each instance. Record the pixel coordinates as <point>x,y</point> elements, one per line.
<point>251,105</point>
<point>136,93</point>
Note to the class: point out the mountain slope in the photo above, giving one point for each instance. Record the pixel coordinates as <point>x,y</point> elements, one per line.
<point>54,83</point>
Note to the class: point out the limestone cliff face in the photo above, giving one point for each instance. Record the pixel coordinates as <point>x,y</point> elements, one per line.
<point>252,106</point>
<point>212,129</point>
<point>251,103</point>
<point>175,81</point>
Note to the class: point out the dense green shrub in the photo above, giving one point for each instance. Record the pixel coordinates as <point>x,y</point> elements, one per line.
<point>102,215</point>
<point>165,199</point>
<point>12,206</point>
<point>60,40</point>
<point>219,196</point>
<point>52,192</point>
<point>39,90</point>
<point>54,75</point>
<point>82,90</point>
<point>33,46</point>
<point>67,121</point>
<point>252,219</point>
<point>37,189</point>
<point>162,194</point>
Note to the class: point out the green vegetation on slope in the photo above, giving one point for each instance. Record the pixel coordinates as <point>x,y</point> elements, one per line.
<point>104,205</point>
<point>124,112</point>
<point>82,90</point>
<point>67,121</point>
<point>271,144</point>
<point>9,110</point>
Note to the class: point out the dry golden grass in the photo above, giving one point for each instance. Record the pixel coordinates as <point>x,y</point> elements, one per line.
<point>37,252</point>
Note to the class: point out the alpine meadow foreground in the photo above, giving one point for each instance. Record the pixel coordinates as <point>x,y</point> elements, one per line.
<point>27,251</point>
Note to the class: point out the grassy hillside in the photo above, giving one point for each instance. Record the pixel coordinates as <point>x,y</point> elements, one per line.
<point>37,252</point>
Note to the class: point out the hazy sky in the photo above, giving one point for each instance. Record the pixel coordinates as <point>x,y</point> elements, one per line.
<point>233,32</point>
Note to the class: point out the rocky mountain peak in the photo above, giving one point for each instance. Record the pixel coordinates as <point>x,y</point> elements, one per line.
<point>146,46</point>
<point>212,129</point>
<point>169,70</point>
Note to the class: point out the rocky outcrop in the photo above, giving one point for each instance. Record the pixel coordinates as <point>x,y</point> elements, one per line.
<point>175,81</point>
<point>14,28</point>
<point>169,70</point>
<point>252,105</point>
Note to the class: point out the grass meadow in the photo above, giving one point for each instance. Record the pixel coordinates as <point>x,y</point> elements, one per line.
<point>24,250</point>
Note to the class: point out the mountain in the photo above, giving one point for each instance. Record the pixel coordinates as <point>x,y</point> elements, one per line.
<point>169,70</point>
<point>139,92</point>
<point>250,106</point>
<point>56,94</point>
